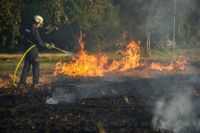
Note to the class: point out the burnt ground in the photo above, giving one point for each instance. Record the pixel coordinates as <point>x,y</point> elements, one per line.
<point>112,104</point>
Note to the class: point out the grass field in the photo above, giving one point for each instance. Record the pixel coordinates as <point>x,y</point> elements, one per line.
<point>188,54</point>
<point>8,64</point>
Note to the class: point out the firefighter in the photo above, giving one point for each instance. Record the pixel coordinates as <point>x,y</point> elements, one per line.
<point>32,37</point>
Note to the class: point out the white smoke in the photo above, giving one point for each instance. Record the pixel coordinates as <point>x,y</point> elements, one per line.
<point>61,95</point>
<point>82,90</point>
<point>177,114</point>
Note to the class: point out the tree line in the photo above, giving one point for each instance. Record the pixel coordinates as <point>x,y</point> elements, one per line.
<point>101,21</point>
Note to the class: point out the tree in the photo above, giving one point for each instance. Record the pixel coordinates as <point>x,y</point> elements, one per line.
<point>95,18</point>
<point>54,13</point>
<point>10,23</point>
<point>188,28</point>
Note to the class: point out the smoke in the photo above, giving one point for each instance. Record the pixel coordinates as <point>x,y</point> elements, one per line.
<point>160,15</point>
<point>89,88</point>
<point>81,92</point>
<point>177,114</point>
<point>61,95</point>
<point>178,111</point>
<point>159,19</point>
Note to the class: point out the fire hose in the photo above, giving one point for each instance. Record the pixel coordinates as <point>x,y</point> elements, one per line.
<point>14,76</point>
<point>22,58</point>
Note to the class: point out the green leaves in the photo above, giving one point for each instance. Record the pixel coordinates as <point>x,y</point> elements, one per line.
<point>53,11</point>
<point>10,20</point>
<point>90,13</point>
<point>103,21</point>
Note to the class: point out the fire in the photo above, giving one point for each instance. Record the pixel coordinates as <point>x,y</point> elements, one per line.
<point>131,58</point>
<point>84,64</point>
<point>179,64</point>
<point>158,66</point>
<point>81,42</point>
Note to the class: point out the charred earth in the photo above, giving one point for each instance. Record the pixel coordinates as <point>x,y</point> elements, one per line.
<point>113,103</point>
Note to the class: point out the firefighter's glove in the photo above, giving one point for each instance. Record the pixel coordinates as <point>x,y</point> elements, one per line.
<point>49,45</point>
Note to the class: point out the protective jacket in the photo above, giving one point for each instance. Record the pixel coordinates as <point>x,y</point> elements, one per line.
<point>32,37</point>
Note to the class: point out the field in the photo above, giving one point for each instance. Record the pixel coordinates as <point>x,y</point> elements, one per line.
<point>117,102</point>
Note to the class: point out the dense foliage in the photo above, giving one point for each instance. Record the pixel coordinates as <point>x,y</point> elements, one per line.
<point>10,23</point>
<point>102,21</point>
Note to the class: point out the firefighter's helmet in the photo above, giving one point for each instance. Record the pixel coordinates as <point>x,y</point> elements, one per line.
<point>38,19</point>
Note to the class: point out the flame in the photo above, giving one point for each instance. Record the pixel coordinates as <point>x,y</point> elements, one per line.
<point>81,42</point>
<point>158,66</point>
<point>179,64</point>
<point>84,64</point>
<point>131,58</point>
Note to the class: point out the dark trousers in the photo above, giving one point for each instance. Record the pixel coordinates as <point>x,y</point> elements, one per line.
<point>31,59</point>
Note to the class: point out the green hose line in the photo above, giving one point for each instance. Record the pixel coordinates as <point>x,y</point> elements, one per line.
<point>14,76</point>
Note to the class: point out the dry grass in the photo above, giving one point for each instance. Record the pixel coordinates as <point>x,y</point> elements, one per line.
<point>18,56</point>
<point>8,63</point>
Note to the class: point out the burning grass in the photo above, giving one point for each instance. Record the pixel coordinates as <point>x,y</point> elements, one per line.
<point>87,65</point>
<point>84,64</point>
<point>179,64</point>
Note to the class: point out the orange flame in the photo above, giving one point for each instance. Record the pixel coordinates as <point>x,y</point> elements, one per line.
<point>81,42</point>
<point>178,65</point>
<point>157,66</point>
<point>98,65</point>
<point>131,58</point>
<point>83,64</point>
